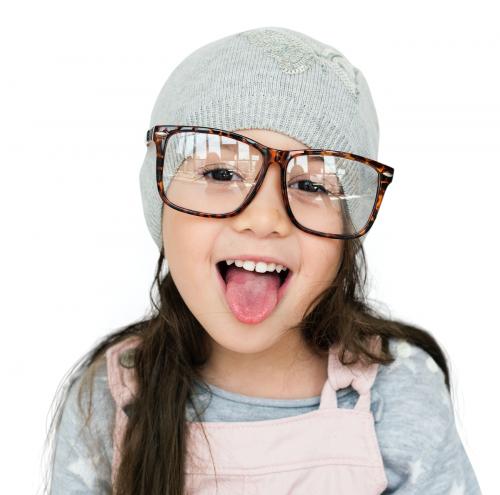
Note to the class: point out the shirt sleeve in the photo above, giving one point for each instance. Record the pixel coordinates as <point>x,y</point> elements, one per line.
<point>420,445</point>
<point>83,452</point>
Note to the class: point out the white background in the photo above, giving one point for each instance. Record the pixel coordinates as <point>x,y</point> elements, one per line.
<point>78,83</point>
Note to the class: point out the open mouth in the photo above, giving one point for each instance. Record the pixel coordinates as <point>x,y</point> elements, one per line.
<point>222,267</point>
<point>252,299</point>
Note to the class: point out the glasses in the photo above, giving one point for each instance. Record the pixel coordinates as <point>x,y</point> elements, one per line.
<point>215,173</point>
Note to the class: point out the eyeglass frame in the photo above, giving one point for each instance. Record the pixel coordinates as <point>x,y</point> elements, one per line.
<point>159,134</point>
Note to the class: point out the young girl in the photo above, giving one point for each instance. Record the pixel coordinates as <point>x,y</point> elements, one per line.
<point>262,369</point>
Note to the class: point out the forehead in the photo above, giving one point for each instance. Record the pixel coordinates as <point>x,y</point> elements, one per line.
<point>272,138</point>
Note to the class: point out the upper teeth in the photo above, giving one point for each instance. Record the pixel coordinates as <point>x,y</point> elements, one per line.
<point>259,266</point>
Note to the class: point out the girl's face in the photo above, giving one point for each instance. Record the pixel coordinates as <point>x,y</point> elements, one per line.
<point>194,244</point>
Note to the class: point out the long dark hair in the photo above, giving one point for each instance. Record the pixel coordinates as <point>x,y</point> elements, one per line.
<point>174,347</point>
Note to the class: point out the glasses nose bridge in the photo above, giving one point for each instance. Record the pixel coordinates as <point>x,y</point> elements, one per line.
<point>276,156</point>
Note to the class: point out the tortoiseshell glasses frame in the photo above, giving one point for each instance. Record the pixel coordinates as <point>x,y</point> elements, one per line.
<point>159,134</point>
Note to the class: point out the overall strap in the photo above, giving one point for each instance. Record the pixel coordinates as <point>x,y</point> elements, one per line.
<point>359,375</point>
<point>123,387</point>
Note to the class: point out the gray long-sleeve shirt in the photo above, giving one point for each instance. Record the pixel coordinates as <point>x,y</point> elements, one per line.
<point>414,422</point>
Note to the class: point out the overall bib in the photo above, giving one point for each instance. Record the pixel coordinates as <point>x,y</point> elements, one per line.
<point>330,450</point>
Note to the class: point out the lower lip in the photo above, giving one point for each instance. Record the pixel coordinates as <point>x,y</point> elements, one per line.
<point>281,290</point>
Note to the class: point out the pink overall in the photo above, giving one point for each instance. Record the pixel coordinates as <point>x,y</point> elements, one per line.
<point>330,450</point>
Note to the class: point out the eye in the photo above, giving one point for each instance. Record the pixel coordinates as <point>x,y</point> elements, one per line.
<point>219,173</point>
<point>309,186</point>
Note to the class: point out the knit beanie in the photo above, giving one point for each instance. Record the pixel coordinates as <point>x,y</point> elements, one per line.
<point>270,78</point>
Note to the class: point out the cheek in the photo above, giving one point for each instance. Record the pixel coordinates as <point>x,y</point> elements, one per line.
<point>186,238</point>
<point>188,242</point>
<point>322,259</point>
<point>320,266</point>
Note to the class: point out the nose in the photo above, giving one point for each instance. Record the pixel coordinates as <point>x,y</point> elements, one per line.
<point>266,213</point>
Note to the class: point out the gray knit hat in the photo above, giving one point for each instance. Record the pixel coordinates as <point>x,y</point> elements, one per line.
<point>266,78</point>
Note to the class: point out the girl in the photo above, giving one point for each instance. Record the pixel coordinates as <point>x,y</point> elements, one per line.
<point>262,369</point>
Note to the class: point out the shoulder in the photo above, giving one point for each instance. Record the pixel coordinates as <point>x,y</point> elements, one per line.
<point>412,393</point>
<point>94,391</point>
<point>89,402</point>
<point>420,445</point>
<point>412,365</point>
<point>413,371</point>
<point>83,441</point>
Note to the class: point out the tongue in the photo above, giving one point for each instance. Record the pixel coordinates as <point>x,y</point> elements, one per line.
<point>251,296</point>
